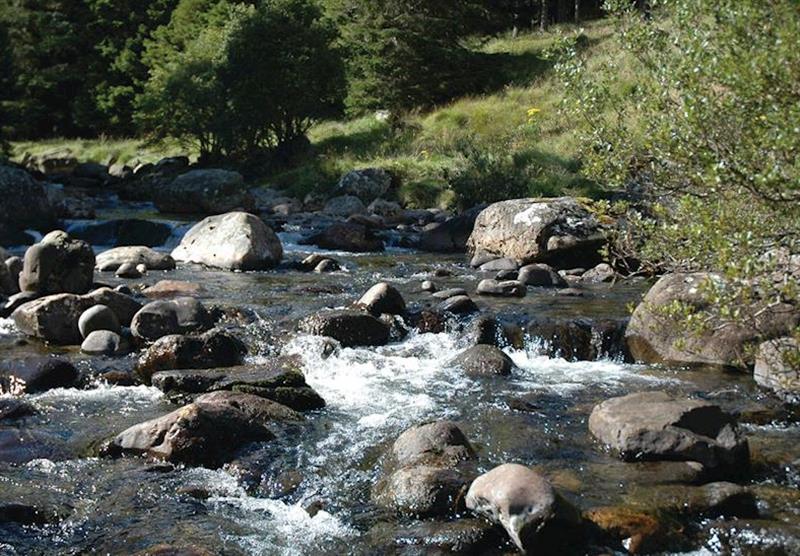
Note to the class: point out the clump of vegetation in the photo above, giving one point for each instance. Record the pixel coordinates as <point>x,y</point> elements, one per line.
<point>706,140</point>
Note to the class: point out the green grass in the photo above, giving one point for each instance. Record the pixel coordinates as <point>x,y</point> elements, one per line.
<point>125,151</point>
<point>427,150</point>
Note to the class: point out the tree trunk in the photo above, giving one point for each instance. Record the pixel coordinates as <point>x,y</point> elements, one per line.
<point>543,16</point>
<point>577,11</point>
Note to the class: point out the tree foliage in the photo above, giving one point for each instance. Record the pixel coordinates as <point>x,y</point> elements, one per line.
<point>252,78</point>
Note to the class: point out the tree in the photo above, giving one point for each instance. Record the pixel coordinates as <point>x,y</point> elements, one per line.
<point>6,86</point>
<point>253,79</point>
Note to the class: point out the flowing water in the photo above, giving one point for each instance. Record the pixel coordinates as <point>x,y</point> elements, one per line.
<point>257,505</point>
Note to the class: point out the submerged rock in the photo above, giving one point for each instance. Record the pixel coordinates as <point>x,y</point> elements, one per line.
<point>233,241</point>
<point>58,264</point>
<point>206,432</point>
<point>559,231</point>
<point>113,259</point>
<point>348,327</point>
<point>656,426</point>
<point>535,516</point>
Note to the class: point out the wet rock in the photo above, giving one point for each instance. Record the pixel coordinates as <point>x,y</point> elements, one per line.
<point>16,301</point>
<point>326,265</point>
<point>347,236</point>
<point>499,264</point>
<point>211,349</point>
<point>559,231</point>
<point>656,426</point>
<point>422,491</point>
<point>344,206</point>
<point>580,339</point>
<point>8,285</point>
<point>182,315</point>
<point>533,514</point>
<point>119,378</point>
<point>210,191</point>
<point>436,443</point>
<point>462,537</point>
<point>640,532</point>
<point>451,235</point>
<point>426,321</point>
<point>175,550</point>
<point>124,232</point>
<point>428,286</point>
<point>486,329</point>
<point>15,266</point>
<point>506,275</point>
<point>279,380</point>
<point>448,293</point>
<point>382,298</point>
<point>97,318</point>
<point>171,288</point>
<point>20,446</point>
<point>778,368</point>
<point>483,361</point>
<point>25,203</point>
<point>104,342</point>
<point>123,305</point>
<point>14,408</point>
<point>458,305</point>
<point>712,500</point>
<point>129,270</point>
<point>509,288</point>
<point>206,432</point>
<point>541,275</point>
<point>350,328</point>
<point>232,241</point>
<point>58,264</point>
<point>655,337</point>
<point>367,184</point>
<point>36,374</point>
<point>24,514</point>
<point>113,259</point>
<point>388,210</point>
<point>601,273</point>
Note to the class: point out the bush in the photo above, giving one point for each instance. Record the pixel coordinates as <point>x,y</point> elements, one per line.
<point>254,79</point>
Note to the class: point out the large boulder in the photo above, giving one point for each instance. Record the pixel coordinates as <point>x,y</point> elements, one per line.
<point>211,349</point>
<point>350,328</point>
<point>233,241</point>
<point>58,264</point>
<point>24,205</point>
<point>176,316</point>
<point>54,318</point>
<point>382,298</point>
<point>211,191</point>
<point>536,517</point>
<point>450,236</point>
<point>483,360</point>
<point>279,380</point>
<point>778,368</point>
<point>367,184</point>
<point>207,432</point>
<point>649,426</point>
<point>347,236</point>
<point>655,336</point>
<point>112,259</point>
<point>557,231</point>
<point>435,443</point>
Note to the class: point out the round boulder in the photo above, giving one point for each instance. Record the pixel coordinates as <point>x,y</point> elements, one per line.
<point>484,360</point>
<point>382,298</point>
<point>99,317</point>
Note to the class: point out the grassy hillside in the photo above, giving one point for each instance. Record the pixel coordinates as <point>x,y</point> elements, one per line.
<point>520,121</point>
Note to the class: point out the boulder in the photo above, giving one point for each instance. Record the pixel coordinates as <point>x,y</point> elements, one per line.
<point>558,231</point>
<point>347,236</point>
<point>211,191</point>
<point>104,342</point>
<point>450,236</point>
<point>24,205</point>
<point>507,288</point>
<point>8,286</point>
<point>112,259</point>
<point>344,206</point>
<point>170,288</point>
<point>123,305</point>
<point>367,184</point>
<point>580,339</point>
<point>326,265</point>
<point>182,315</point>
<point>36,374</point>
<point>280,380</point>
<point>458,305</point>
<point>233,241</point>
<point>448,293</point>
<point>58,264</point>
<point>541,275</point>
<point>778,368</point>
<point>211,349</point>
<point>350,328</point>
<point>382,298</point>
<point>656,426</point>
<point>483,360</point>
<point>129,270</point>
<point>14,408</point>
<point>435,443</point>
<point>535,516</point>
<point>388,210</point>
<point>603,272</point>
<point>91,171</point>
<point>98,317</point>
<point>206,432</point>
<point>654,336</point>
<point>499,264</point>
<point>461,537</point>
